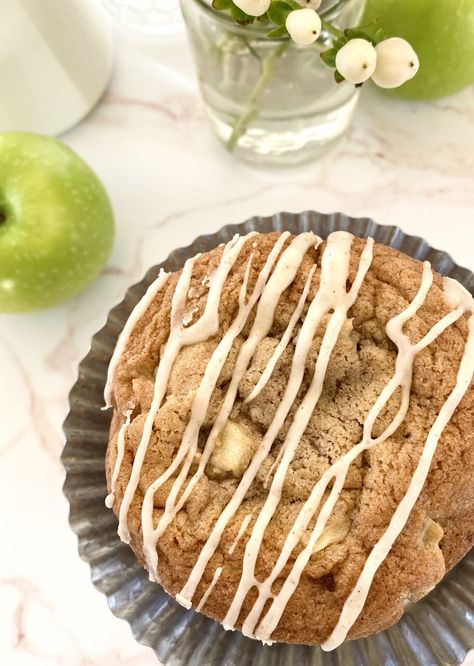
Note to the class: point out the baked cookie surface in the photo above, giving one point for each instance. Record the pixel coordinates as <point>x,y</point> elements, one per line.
<point>275,404</point>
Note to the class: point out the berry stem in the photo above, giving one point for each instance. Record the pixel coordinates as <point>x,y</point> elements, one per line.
<point>331,29</point>
<point>251,112</point>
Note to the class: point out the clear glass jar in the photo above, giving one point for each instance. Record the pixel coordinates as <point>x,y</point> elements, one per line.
<point>270,102</point>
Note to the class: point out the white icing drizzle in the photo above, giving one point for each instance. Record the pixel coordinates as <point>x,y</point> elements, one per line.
<point>283,343</point>
<point>283,274</point>
<point>109,500</point>
<point>136,314</point>
<point>332,298</point>
<point>281,278</point>
<point>338,471</point>
<point>240,533</point>
<point>457,295</point>
<point>189,441</point>
<point>356,600</point>
<point>179,336</point>
<point>172,347</point>
<point>207,593</point>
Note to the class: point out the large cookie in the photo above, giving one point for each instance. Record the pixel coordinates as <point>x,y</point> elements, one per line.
<point>282,406</point>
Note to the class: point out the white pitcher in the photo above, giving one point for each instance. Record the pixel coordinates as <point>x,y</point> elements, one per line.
<point>55,61</point>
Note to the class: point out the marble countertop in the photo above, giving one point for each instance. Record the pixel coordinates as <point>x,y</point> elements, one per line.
<point>169,181</point>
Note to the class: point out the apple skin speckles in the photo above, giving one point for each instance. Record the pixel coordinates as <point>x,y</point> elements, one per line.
<point>57,224</point>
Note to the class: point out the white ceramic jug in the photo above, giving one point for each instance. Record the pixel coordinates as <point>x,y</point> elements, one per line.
<point>55,61</point>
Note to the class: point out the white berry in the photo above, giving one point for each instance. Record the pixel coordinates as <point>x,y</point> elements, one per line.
<point>397,63</point>
<point>356,60</point>
<point>312,4</point>
<point>253,7</point>
<point>304,25</point>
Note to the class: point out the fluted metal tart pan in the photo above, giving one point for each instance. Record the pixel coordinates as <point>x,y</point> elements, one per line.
<point>438,630</point>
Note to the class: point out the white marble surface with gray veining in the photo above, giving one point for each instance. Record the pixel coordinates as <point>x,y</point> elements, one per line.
<point>169,181</point>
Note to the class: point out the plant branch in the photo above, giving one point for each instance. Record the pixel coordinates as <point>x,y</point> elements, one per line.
<point>251,111</point>
<point>331,29</point>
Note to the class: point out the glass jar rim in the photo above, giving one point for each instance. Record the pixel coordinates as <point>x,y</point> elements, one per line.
<point>327,12</point>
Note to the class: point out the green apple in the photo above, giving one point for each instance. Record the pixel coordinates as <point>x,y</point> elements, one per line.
<point>56,222</point>
<point>442,34</point>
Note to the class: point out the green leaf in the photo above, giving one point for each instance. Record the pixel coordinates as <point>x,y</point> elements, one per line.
<point>293,4</point>
<point>329,57</point>
<point>278,33</point>
<point>339,43</point>
<point>241,17</point>
<point>379,35</point>
<point>222,5</point>
<point>338,78</point>
<point>278,11</point>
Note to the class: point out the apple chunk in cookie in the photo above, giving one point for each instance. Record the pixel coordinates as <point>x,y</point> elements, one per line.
<point>235,445</point>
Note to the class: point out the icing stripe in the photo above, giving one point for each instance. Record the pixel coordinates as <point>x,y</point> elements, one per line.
<point>332,296</point>
<point>281,278</point>
<point>188,446</point>
<point>206,327</point>
<point>161,380</point>
<point>109,500</point>
<point>283,343</point>
<point>209,590</point>
<point>356,600</point>
<point>240,533</point>
<point>137,313</point>
<point>338,471</point>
